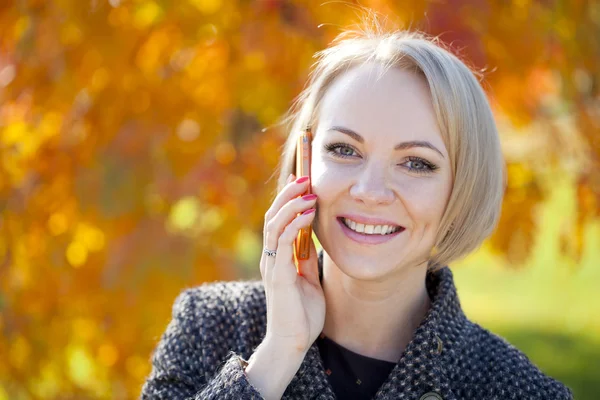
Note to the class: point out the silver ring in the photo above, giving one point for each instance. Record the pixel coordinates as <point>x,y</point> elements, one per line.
<point>269,252</point>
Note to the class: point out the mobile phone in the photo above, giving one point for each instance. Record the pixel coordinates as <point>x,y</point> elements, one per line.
<point>303,159</point>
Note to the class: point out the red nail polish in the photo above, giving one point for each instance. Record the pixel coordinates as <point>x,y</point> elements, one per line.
<point>309,211</point>
<point>308,197</point>
<point>302,180</point>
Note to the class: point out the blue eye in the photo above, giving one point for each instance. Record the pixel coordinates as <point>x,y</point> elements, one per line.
<point>331,149</point>
<point>417,164</point>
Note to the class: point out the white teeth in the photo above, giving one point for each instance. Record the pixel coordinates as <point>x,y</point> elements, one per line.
<point>370,229</point>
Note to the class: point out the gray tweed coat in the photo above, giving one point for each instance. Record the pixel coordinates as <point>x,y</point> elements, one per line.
<point>449,357</point>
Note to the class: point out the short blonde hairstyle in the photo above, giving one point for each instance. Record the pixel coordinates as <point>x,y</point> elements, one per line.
<point>463,115</point>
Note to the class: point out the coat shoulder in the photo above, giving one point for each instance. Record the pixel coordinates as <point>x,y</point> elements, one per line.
<point>222,317</point>
<point>505,370</point>
<point>220,297</point>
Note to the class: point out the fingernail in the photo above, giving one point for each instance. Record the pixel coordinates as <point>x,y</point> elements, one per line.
<point>309,197</point>
<point>302,180</point>
<point>290,178</point>
<point>309,211</point>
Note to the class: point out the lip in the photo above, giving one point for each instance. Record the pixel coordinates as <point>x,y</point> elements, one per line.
<point>368,220</point>
<point>367,239</point>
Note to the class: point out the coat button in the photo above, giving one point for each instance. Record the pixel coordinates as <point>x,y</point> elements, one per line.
<point>431,396</point>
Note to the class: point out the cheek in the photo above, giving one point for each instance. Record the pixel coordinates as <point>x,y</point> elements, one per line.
<point>327,179</point>
<point>424,199</point>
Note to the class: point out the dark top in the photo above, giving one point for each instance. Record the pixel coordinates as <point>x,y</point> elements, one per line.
<point>217,325</point>
<point>352,375</point>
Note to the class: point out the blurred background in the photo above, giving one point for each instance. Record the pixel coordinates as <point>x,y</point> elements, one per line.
<point>134,164</point>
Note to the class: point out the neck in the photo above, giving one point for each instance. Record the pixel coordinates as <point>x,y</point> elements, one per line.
<point>374,319</point>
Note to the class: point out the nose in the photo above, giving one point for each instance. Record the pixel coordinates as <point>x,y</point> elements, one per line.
<point>371,186</point>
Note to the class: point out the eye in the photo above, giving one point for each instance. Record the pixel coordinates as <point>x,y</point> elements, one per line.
<point>420,165</point>
<point>331,149</point>
<point>416,165</point>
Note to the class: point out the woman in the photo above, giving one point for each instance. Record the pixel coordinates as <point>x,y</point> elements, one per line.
<point>407,175</point>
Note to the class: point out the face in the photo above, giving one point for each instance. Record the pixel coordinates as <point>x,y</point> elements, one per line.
<point>357,171</point>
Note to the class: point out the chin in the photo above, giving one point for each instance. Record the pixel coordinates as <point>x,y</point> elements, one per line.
<point>364,267</point>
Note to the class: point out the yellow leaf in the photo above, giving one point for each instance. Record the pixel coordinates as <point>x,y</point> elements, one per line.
<point>20,27</point>
<point>207,6</point>
<point>47,386</point>
<point>81,368</point>
<point>108,354</point>
<point>184,213</point>
<point>76,254</point>
<point>3,394</point>
<point>147,14</point>
<point>15,133</point>
<point>89,236</point>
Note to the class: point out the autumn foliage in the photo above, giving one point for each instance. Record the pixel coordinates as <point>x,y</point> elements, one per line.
<point>134,161</point>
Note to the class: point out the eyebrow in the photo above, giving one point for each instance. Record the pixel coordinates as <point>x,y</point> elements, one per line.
<point>399,146</point>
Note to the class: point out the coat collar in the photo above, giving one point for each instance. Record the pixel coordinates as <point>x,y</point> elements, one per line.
<point>436,342</point>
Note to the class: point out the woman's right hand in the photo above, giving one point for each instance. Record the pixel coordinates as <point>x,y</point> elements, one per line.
<point>295,303</point>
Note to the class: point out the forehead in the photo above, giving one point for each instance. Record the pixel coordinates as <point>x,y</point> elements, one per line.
<point>392,104</point>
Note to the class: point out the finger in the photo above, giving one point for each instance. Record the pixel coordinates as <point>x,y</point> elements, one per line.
<point>285,253</point>
<point>269,260</point>
<point>264,258</point>
<point>284,217</point>
<point>290,191</point>
<point>272,211</point>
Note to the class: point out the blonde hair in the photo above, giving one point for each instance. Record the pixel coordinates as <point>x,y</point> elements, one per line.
<point>463,114</point>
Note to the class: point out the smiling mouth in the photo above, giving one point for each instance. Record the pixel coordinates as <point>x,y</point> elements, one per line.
<point>371,230</point>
